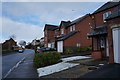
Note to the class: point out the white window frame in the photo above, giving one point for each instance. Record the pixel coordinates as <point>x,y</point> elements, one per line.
<point>105,15</point>
<point>62,31</point>
<point>102,43</point>
<point>72,28</point>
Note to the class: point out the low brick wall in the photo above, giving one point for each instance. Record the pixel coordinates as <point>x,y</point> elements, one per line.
<point>97,55</point>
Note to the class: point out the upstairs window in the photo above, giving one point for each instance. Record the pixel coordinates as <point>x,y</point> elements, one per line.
<point>105,15</point>
<point>62,31</point>
<point>45,31</point>
<point>72,28</point>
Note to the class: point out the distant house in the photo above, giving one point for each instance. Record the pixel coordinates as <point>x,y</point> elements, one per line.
<point>49,35</point>
<point>105,39</point>
<point>42,41</point>
<point>35,42</point>
<point>9,44</point>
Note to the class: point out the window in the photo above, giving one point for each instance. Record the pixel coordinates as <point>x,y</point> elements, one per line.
<point>78,45</point>
<point>102,43</point>
<point>55,31</point>
<point>45,31</point>
<point>62,31</point>
<point>72,28</point>
<point>105,15</point>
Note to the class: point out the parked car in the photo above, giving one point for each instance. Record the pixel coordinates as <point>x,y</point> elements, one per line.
<point>44,49</point>
<point>21,50</point>
<point>41,50</point>
<point>50,49</point>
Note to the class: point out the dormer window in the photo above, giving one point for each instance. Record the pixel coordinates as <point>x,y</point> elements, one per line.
<point>62,31</point>
<point>72,28</point>
<point>105,15</point>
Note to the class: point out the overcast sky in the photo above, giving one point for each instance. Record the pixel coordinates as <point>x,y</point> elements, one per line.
<point>26,20</point>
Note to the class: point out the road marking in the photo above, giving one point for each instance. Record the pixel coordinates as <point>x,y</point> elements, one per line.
<point>14,67</point>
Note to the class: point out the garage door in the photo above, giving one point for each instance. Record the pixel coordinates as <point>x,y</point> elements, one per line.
<point>60,46</point>
<point>116,44</point>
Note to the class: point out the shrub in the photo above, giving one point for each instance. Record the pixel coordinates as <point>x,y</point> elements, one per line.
<point>83,49</point>
<point>46,58</point>
<point>7,51</point>
<point>69,51</point>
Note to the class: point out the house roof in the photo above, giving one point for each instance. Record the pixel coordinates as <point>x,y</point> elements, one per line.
<point>115,13</point>
<point>65,36</point>
<point>65,23</point>
<point>50,27</point>
<point>100,30</point>
<point>77,20</point>
<point>106,6</point>
<point>11,39</point>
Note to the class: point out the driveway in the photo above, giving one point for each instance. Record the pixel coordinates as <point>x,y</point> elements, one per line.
<point>107,71</point>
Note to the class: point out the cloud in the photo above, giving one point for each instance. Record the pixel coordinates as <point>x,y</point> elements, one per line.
<point>22,31</point>
<point>27,19</point>
<point>54,0</point>
<point>39,13</point>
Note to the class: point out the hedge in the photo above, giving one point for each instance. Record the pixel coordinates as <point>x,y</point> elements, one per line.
<point>46,58</point>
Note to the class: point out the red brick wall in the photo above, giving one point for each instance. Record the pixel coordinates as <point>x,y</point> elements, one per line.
<point>63,27</point>
<point>110,38</point>
<point>80,37</point>
<point>98,17</point>
<point>50,36</point>
<point>98,21</point>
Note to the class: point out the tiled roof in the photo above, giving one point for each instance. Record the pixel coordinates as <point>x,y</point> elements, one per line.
<point>115,13</point>
<point>106,6</point>
<point>100,30</point>
<point>78,20</point>
<point>50,27</point>
<point>65,36</point>
<point>65,23</point>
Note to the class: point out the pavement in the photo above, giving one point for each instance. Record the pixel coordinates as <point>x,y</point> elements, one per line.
<point>25,69</point>
<point>11,59</point>
<point>107,71</point>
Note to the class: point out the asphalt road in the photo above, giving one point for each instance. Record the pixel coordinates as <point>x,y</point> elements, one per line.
<point>10,60</point>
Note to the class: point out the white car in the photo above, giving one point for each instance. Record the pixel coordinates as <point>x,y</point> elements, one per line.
<point>20,50</point>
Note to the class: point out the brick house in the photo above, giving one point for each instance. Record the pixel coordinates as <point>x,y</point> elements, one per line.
<point>68,34</point>
<point>75,34</point>
<point>49,35</point>
<point>114,35</point>
<point>9,44</point>
<point>102,40</point>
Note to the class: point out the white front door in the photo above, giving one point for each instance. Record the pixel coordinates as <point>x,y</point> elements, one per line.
<point>116,44</point>
<point>60,46</point>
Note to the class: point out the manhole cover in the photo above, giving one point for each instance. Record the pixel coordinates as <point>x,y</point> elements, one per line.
<point>92,68</point>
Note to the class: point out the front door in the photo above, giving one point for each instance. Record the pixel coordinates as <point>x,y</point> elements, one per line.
<point>116,44</point>
<point>60,46</point>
